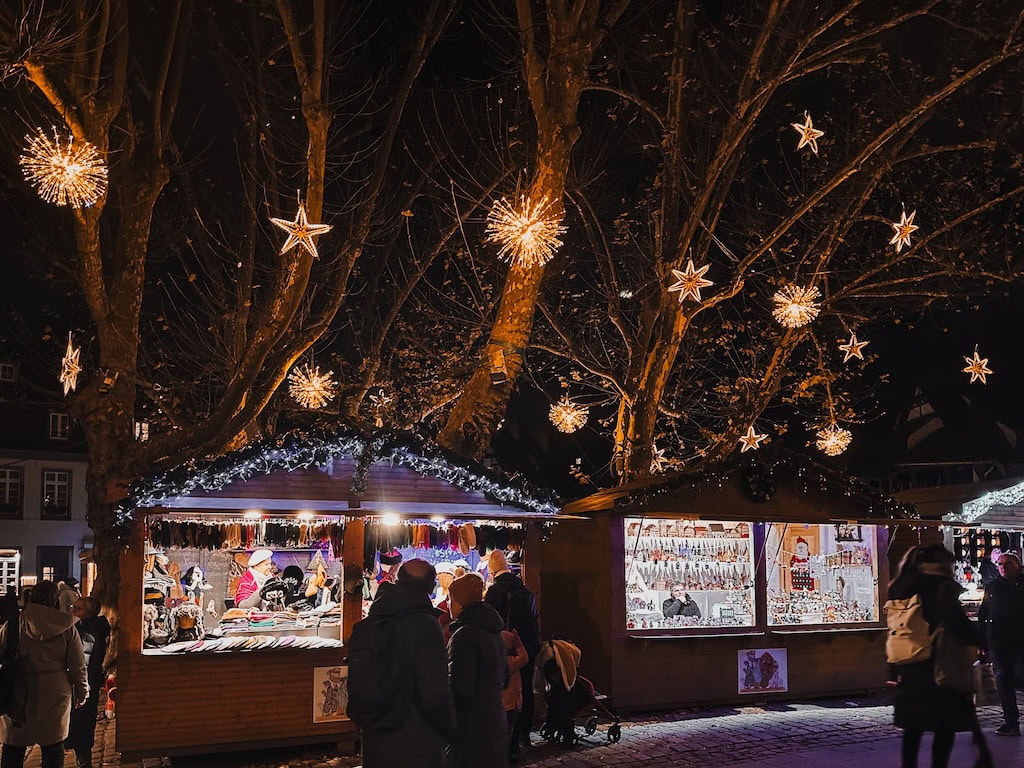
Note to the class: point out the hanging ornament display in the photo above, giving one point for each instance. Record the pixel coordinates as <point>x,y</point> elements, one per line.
<point>301,232</point>
<point>64,172</point>
<point>690,281</point>
<point>796,305</point>
<point>833,440</point>
<point>977,366</point>
<point>752,440</point>
<point>853,348</point>
<point>903,229</point>
<point>809,135</point>
<point>70,367</point>
<point>380,402</point>
<point>568,416</point>
<point>659,461</point>
<point>527,235</point>
<point>310,388</point>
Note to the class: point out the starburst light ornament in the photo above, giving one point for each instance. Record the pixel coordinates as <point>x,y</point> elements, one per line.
<point>568,416</point>
<point>752,440</point>
<point>70,367</point>
<point>977,366</point>
<point>809,135</point>
<point>301,232</point>
<point>833,440</point>
<point>528,233</point>
<point>853,348</point>
<point>310,388</point>
<point>903,229</point>
<point>796,305</point>
<point>64,172</point>
<point>689,281</point>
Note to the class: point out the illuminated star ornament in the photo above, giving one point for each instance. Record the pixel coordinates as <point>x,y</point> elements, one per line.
<point>380,403</point>
<point>658,460</point>
<point>568,416</point>
<point>978,367</point>
<point>310,388</point>
<point>809,135</point>
<point>833,440</point>
<point>527,234</point>
<point>796,305</point>
<point>903,229</point>
<point>752,440</point>
<point>64,172</point>
<point>853,348</point>
<point>690,281</point>
<point>301,232</point>
<point>70,368</point>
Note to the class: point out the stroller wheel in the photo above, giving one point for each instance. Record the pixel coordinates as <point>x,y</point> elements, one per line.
<point>591,725</point>
<point>614,733</point>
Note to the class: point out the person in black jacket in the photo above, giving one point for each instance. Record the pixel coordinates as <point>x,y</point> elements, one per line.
<point>94,630</point>
<point>1002,616</point>
<point>680,603</point>
<point>920,705</point>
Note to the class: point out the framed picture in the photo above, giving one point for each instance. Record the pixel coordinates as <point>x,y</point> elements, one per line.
<point>762,670</point>
<point>848,532</point>
<point>330,694</point>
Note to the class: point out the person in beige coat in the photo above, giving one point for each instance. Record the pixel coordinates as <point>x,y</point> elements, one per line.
<point>55,679</point>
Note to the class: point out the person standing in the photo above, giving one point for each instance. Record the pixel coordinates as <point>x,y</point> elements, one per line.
<point>477,671</point>
<point>261,567</point>
<point>67,593</point>
<point>512,697</point>
<point>1002,616</point>
<point>94,629</point>
<point>54,662</point>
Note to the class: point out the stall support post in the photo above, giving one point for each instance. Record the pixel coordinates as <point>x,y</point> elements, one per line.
<point>531,559</point>
<point>352,553</point>
<point>129,603</point>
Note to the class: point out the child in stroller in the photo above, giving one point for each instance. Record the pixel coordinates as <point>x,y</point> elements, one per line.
<point>569,695</point>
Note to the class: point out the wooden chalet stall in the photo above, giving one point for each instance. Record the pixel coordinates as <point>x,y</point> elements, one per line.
<point>198,674</point>
<point>757,582</point>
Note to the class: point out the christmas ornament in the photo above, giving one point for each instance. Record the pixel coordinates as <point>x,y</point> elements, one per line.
<point>66,173</point>
<point>796,305</point>
<point>809,135</point>
<point>903,229</point>
<point>690,281</point>
<point>310,388</point>
<point>658,460</point>
<point>833,440</point>
<point>379,403</point>
<point>70,368</point>
<point>752,440</point>
<point>978,367</point>
<point>853,348</point>
<point>527,235</point>
<point>568,416</point>
<point>301,232</point>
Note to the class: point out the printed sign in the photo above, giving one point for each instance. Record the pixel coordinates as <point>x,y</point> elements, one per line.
<point>762,670</point>
<point>330,694</point>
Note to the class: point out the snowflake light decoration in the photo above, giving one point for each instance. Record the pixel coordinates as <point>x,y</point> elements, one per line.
<point>752,440</point>
<point>568,416</point>
<point>809,135</point>
<point>301,232</point>
<point>70,368</point>
<point>903,229</point>
<point>64,172</point>
<point>527,234</point>
<point>833,440</point>
<point>689,281</point>
<point>796,305</point>
<point>977,366</point>
<point>310,388</point>
<point>853,348</point>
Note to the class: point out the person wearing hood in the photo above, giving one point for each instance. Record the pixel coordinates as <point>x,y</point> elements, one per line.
<point>477,673</point>
<point>94,629</point>
<point>51,651</point>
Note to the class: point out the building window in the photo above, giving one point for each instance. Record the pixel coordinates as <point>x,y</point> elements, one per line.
<point>8,372</point>
<point>56,494</point>
<point>10,492</point>
<point>60,426</point>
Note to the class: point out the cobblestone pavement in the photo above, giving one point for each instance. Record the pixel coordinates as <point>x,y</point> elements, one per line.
<point>822,734</point>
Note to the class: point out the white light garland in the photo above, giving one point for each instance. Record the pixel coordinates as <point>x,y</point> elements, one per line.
<point>972,510</point>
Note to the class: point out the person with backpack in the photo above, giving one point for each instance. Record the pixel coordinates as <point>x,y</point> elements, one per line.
<point>924,598</point>
<point>518,607</point>
<point>397,675</point>
<point>1002,616</point>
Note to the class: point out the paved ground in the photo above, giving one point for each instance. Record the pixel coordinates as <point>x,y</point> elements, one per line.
<point>821,734</point>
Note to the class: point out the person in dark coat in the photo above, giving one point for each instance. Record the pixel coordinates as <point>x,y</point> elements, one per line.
<point>477,671</point>
<point>680,603</point>
<point>430,718</point>
<point>94,629</point>
<point>1002,616</point>
<point>920,705</point>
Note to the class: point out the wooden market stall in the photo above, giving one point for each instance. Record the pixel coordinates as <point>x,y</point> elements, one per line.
<point>759,581</point>
<point>197,673</point>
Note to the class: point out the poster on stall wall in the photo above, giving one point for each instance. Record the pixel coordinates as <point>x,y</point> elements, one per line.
<point>763,670</point>
<point>330,694</point>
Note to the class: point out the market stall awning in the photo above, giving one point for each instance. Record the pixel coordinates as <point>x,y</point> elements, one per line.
<point>1002,508</point>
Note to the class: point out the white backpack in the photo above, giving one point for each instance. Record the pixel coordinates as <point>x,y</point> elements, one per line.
<point>908,639</point>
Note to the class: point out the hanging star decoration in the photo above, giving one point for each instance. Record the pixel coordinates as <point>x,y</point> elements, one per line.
<point>796,305</point>
<point>310,388</point>
<point>70,367</point>
<point>659,461</point>
<point>809,135</point>
<point>64,172</point>
<point>977,366</point>
<point>380,402</point>
<point>301,232</point>
<point>903,229</point>
<point>568,416</point>
<point>752,440</point>
<point>853,348</point>
<point>527,234</point>
<point>833,440</point>
<point>689,281</point>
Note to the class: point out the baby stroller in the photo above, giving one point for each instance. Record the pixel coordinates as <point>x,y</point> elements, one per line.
<point>570,695</point>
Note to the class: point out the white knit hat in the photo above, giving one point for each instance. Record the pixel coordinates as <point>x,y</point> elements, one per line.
<point>260,556</point>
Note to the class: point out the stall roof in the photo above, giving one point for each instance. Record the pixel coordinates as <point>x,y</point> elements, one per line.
<point>1002,508</point>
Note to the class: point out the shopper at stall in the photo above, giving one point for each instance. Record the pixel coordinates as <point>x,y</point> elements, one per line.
<point>477,670</point>
<point>94,630</point>
<point>54,663</point>
<point>680,603</point>
<point>1002,616</point>
<point>261,567</point>
<point>512,697</point>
